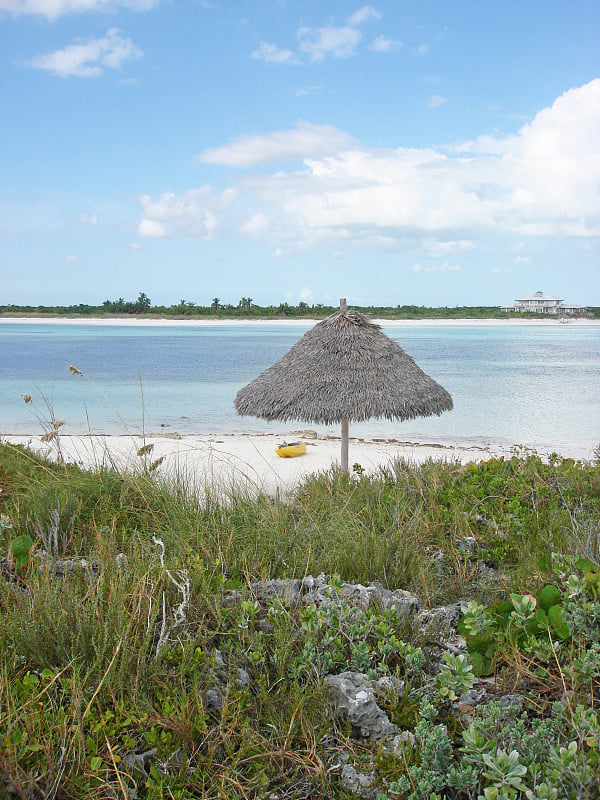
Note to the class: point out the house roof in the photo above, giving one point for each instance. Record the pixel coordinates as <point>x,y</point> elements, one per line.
<point>540,297</point>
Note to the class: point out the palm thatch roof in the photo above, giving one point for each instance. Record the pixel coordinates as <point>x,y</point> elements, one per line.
<point>343,369</point>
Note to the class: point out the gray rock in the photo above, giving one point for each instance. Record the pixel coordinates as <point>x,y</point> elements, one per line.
<point>435,554</point>
<point>512,702</point>
<point>286,590</point>
<point>356,593</point>
<point>354,700</point>
<point>361,783</point>
<point>402,601</point>
<point>243,677</point>
<point>406,740</point>
<point>218,659</point>
<point>232,598</point>
<point>467,545</point>
<point>447,616</point>
<point>139,760</point>
<point>389,684</point>
<point>212,701</point>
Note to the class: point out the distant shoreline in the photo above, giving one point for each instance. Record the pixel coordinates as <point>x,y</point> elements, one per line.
<point>146,321</point>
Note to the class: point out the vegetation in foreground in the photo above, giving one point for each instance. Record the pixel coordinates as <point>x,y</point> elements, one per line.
<point>106,669</point>
<point>247,309</point>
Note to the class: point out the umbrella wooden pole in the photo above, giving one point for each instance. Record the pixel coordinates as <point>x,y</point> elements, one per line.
<point>345,445</point>
<point>344,307</point>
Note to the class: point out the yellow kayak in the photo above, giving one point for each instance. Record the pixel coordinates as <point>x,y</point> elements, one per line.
<point>291,449</point>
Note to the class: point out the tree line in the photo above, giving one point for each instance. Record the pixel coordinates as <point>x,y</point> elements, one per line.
<point>247,308</point>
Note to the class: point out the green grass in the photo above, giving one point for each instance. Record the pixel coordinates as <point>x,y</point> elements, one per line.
<point>92,670</point>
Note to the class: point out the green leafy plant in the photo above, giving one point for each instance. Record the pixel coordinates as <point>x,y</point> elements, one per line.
<point>19,551</point>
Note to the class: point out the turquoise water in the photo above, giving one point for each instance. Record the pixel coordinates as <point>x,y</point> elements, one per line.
<point>537,386</point>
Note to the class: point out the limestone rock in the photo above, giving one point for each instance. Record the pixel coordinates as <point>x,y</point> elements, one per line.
<point>354,700</point>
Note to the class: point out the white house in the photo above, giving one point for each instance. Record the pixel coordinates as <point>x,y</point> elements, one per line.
<point>540,303</point>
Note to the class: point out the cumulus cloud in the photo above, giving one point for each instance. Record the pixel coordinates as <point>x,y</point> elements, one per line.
<point>363,15</point>
<point>303,141</point>
<point>256,226</point>
<point>305,294</point>
<point>51,9</point>
<point>445,267</point>
<point>89,59</point>
<point>437,100</point>
<point>273,54</point>
<point>383,45</point>
<point>88,219</point>
<point>437,249</point>
<point>191,214</point>
<point>329,41</point>
<point>338,42</point>
<point>320,42</point>
<point>542,181</point>
<point>522,261</point>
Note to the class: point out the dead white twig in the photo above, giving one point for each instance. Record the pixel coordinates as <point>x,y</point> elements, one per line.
<point>183,586</point>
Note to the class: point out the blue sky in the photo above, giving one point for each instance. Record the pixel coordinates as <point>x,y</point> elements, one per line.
<point>394,152</point>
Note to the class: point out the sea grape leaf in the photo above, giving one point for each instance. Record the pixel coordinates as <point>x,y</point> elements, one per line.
<point>541,618</point>
<point>556,619</point>
<point>585,565</point>
<point>548,596</point>
<point>482,666</point>
<point>502,612</point>
<point>478,642</point>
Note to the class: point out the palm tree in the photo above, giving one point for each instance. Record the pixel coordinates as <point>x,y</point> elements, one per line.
<point>215,303</point>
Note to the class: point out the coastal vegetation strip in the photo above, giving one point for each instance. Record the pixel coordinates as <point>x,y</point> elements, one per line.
<point>247,309</point>
<point>138,658</point>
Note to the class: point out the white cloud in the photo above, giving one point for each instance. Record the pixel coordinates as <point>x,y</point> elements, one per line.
<point>306,90</point>
<point>436,249</point>
<point>363,15</point>
<point>337,42</point>
<point>436,100</point>
<point>305,294</point>
<point>135,246</point>
<point>191,214</point>
<point>273,54</point>
<point>51,9</point>
<point>445,267</point>
<point>303,141</point>
<point>542,181</point>
<point>522,261</point>
<point>421,50</point>
<point>88,219</point>
<point>383,45</point>
<point>256,226</point>
<point>89,59</point>
<point>71,258</point>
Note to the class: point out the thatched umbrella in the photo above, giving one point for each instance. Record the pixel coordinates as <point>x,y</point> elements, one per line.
<point>345,368</point>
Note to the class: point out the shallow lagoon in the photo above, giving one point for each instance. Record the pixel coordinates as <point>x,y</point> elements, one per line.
<point>518,384</point>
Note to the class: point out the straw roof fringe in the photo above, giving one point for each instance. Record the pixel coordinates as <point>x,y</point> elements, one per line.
<point>345,368</point>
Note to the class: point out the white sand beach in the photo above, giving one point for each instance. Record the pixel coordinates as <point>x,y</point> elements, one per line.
<point>244,459</point>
